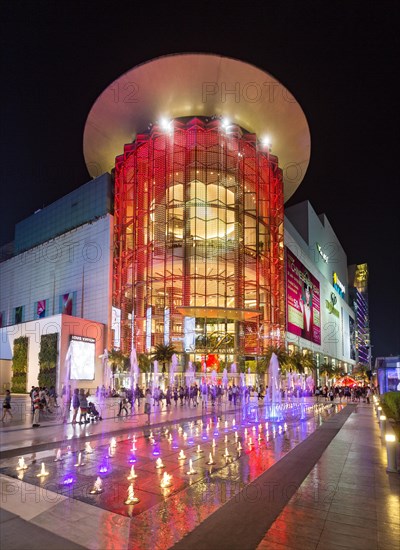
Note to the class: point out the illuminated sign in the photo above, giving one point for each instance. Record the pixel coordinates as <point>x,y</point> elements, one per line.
<point>166,326</point>
<point>330,305</point>
<point>324,256</point>
<point>338,285</point>
<point>116,326</point>
<point>303,301</point>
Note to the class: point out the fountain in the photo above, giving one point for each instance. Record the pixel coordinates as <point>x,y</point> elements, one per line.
<point>181,455</point>
<point>213,377</point>
<point>159,463</point>
<point>226,454</point>
<point>234,424</point>
<point>113,443</point>
<point>191,470</point>
<point>68,480</point>
<point>233,369</point>
<point>131,499</point>
<point>21,464</point>
<point>110,452</point>
<point>97,487</point>
<point>79,463</point>
<point>210,460</point>
<point>213,444</point>
<point>133,448</point>
<point>155,377</point>
<point>239,447</point>
<point>274,391</point>
<point>88,447</point>
<point>184,435</point>
<point>199,449</point>
<point>43,472</point>
<point>236,436</point>
<point>225,378</point>
<point>226,424</point>
<point>134,368</point>
<point>132,474</point>
<point>58,456</point>
<point>174,368</point>
<point>166,481</point>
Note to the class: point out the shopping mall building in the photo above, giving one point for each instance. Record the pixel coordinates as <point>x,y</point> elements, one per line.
<point>181,236</point>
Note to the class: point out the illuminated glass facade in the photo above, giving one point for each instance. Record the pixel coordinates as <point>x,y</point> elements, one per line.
<point>198,241</point>
<point>358,289</point>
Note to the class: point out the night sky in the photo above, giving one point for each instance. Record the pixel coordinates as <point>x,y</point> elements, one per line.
<point>337,58</point>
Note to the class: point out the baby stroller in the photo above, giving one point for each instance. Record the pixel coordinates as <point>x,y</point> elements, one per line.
<point>94,413</point>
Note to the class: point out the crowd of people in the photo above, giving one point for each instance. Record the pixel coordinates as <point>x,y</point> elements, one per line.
<point>193,395</point>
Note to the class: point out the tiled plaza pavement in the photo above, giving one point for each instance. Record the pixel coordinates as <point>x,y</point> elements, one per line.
<point>347,500</point>
<point>32,516</point>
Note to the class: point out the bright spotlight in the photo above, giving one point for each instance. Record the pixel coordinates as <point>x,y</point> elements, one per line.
<point>225,123</point>
<point>266,141</point>
<point>165,124</point>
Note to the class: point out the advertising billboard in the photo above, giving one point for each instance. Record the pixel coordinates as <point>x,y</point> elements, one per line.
<point>81,356</point>
<point>303,301</point>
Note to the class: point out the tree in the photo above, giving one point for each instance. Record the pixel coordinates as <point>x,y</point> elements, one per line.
<point>360,371</point>
<point>326,370</point>
<point>163,354</point>
<point>144,365</point>
<point>309,361</point>
<point>282,355</point>
<point>296,361</point>
<point>117,360</point>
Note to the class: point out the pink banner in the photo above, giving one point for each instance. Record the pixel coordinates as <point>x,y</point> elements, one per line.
<point>67,303</point>
<point>41,309</point>
<point>303,301</point>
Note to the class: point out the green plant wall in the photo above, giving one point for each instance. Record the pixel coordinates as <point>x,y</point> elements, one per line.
<point>48,360</point>
<point>20,365</point>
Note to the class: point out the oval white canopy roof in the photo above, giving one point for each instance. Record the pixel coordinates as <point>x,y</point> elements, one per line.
<point>197,84</point>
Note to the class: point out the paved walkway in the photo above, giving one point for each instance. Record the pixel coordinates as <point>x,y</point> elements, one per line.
<point>347,500</point>
<point>342,495</point>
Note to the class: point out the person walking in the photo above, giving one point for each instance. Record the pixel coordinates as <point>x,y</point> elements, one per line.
<point>75,405</point>
<point>36,406</point>
<point>67,399</point>
<point>7,405</point>
<point>147,404</point>
<point>83,405</point>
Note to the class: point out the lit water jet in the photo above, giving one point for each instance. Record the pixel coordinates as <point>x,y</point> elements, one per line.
<point>159,463</point>
<point>97,487</point>
<point>199,449</point>
<point>79,463</point>
<point>88,447</point>
<point>43,472</point>
<point>132,474</point>
<point>181,455</point>
<point>58,456</point>
<point>131,499</point>
<point>191,470</point>
<point>210,460</point>
<point>166,481</point>
<point>21,464</point>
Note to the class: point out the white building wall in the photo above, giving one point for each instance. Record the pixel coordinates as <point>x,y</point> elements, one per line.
<point>335,333</point>
<point>79,261</point>
<point>64,326</point>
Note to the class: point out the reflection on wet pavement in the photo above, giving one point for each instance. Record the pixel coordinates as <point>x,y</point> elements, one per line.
<point>162,516</point>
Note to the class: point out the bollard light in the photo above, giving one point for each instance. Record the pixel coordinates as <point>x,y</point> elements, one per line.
<point>378,412</point>
<point>382,421</point>
<point>391,453</point>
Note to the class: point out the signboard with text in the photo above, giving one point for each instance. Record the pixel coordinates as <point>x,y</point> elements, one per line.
<point>303,301</point>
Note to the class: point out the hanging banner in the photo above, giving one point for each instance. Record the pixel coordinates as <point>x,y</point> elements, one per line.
<point>303,301</point>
